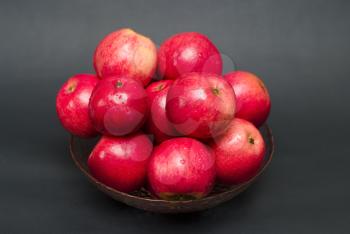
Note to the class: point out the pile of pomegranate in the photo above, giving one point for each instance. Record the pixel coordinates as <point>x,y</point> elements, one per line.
<point>169,120</point>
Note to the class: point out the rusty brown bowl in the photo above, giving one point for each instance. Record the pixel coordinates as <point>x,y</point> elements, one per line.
<point>142,199</point>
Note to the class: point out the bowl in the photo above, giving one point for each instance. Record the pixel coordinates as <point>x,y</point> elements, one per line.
<point>143,199</point>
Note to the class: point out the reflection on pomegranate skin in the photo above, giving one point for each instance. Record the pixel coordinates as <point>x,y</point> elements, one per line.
<point>126,53</point>
<point>200,105</point>
<point>181,167</point>
<point>188,52</point>
<point>118,106</point>
<point>121,162</point>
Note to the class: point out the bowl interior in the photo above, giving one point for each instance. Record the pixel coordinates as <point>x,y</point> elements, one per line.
<point>143,199</point>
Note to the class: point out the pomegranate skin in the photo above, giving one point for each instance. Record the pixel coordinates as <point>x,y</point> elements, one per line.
<point>239,153</point>
<point>181,168</point>
<point>72,105</point>
<point>118,106</point>
<point>200,105</point>
<point>158,123</point>
<point>188,52</point>
<point>126,53</point>
<point>121,162</point>
<point>252,97</point>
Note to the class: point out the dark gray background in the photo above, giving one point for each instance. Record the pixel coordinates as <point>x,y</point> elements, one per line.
<point>300,49</point>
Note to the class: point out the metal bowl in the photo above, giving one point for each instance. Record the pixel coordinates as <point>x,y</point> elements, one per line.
<point>142,199</point>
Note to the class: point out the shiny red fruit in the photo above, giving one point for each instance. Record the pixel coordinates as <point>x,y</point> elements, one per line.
<point>72,104</point>
<point>239,152</point>
<point>188,52</point>
<point>126,53</point>
<point>180,169</point>
<point>118,106</point>
<point>200,105</point>
<point>121,162</point>
<point>158,123</point>
<point>252,97</point>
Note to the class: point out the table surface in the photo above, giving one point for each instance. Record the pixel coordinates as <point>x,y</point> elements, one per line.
<point>299,48</point>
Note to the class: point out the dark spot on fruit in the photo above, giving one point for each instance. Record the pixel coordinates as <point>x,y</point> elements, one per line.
<point>71,87</point>
<point>160,87</point>
<point>251,140</point>
<point>119,84</point>
<point>215,91</point>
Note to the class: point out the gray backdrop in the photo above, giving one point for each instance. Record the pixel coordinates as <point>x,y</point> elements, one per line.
<point>300,49</point>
